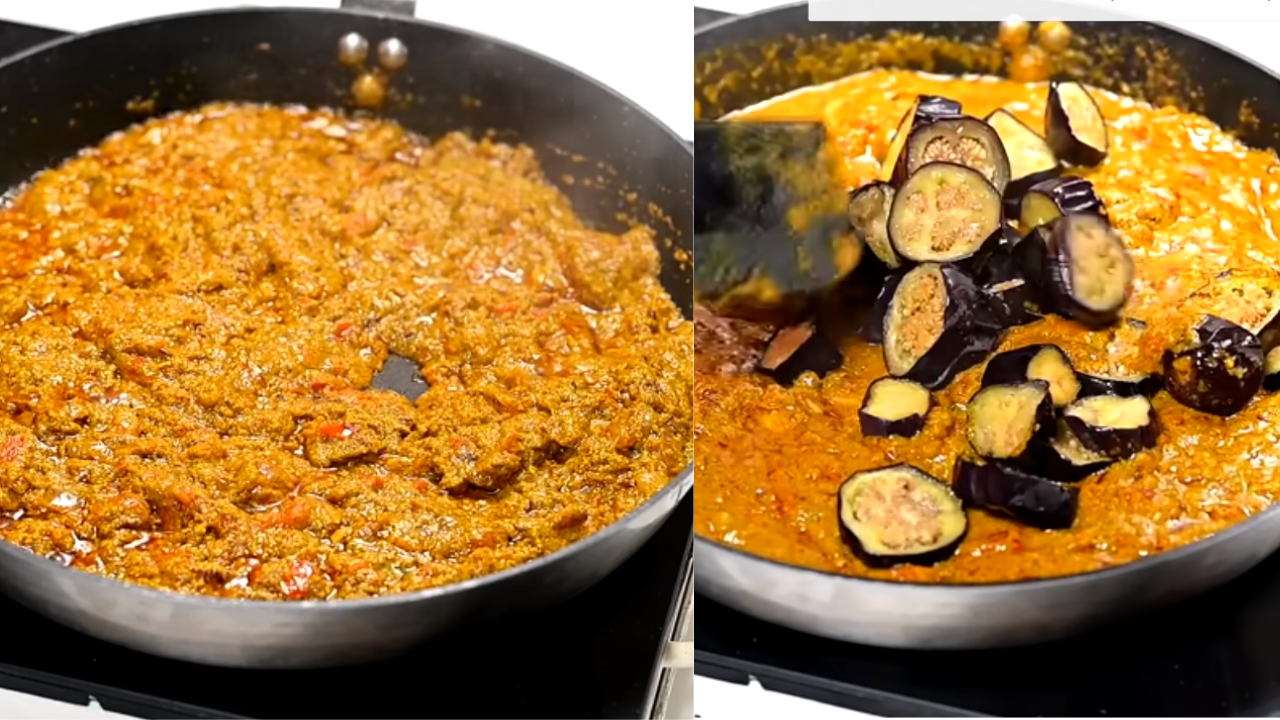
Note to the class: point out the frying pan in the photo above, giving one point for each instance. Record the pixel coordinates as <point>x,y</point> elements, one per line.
<point>1149,60</point>
<point>70,93</point>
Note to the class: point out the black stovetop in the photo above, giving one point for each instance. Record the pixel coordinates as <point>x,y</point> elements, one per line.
<point>596,656</point>
<point>1217,655</point>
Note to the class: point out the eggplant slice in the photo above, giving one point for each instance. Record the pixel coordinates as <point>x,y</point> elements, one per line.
<point>1130,386</point>
<point>1031,160</point>
<point>795,350</point>
<point>924,110</point>
<point>1012,297</point>
<point>1049,200</point>
<point>1067,460</point>
<point>1074,125</point>
<point>1083,266</point>
<point>894,407</point>
<point>1027,498</point>
<point>1114,426</point>
<point>1036,362</point>
<point>936,325</point>
<point>1248,297</point>
<point>1271,365</point>
<point>1216,369</point>
<point>899,514</point>
<point>1011,421</point>
<point>962,140</point>
<point>944,212</point>
<point>869,208</point>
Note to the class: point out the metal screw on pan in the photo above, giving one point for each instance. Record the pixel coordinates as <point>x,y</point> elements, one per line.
<point>392,54</point>
<point>353,49</point>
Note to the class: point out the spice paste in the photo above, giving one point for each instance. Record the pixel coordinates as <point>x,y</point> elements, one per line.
<point>191,317</point>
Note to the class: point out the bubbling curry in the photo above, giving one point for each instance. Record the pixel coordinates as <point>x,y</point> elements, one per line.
<point>1104,393</point>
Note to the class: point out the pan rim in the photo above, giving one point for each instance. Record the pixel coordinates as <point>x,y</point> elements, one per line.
<point>1141,564</point>
<point>679,485</point>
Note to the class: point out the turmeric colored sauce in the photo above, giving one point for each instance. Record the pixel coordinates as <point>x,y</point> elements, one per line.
<point>1191,202</point>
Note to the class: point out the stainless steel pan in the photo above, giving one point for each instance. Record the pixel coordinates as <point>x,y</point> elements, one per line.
<point>188,60</point>
<point>1209,79</point>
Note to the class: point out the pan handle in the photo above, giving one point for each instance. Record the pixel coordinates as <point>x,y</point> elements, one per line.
<point>390,7</point>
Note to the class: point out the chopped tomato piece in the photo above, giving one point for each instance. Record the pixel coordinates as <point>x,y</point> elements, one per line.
<point>335,430</point>
<point>294,582</point>
<point>343,329</point>
<point>12,448</point>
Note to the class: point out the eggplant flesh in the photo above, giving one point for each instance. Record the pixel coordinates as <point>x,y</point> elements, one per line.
<point>869,208</point>
<point>1031,160</point>
<point>795,350</point>
<point>936,325</point>
<point>1114,426</point>
<point>924,110</point>
<point>1084,267</point>
<point>1074,125</point>
<point>1217,369</point>
<point>1025,497</point>
<point>963,140</point>
<point>1036,362</point>
<point>900,514</point>
<point>1050,199</point>
<point>1068,460</point>
<point>894,407</point>
<point>1271,364</point>
<point>943,213</point>
<point>1010,421</point>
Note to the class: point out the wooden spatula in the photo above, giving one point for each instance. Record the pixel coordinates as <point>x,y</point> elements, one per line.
<point>771,224</point>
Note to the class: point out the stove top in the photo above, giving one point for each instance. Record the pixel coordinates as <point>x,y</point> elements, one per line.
<point>596,656</point>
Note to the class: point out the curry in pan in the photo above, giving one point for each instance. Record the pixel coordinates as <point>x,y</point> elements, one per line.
<point>1062,364</point>
<point>191,317</point>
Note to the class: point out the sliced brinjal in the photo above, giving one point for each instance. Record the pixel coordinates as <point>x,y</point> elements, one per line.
<point>1011,421</point>
<point>1111,425</point>
<point>873,331</point>
<point>1217,368</point>
<point>1031,160</point>
<point>900,514</point>
<point>1050,199</point>
<point>1074,125</point>
<point>963,140</point>
<point>1015,493</point>
<point>795,350</point>
<point>1271,369</point>
<point>1036,362</point>
<point>1067,460</point>
<point>1127,386</point>
<point>936,325</point>
<point>1013,298</point>
<point>943,213</point>
<point>924,110</point>
<point>869,208</point>
<point>894,407</point>
<point>1083,267</point>
<point>1248,297</point>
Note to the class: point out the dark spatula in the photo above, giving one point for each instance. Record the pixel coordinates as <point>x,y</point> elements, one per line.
<point>771,224</point>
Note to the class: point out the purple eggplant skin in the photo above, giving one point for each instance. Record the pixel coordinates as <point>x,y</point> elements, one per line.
<point>1047,254</point>
<point>1063,195</point>
<point>971,330</point>
<point>1271,378</point>
<point>873,330</point>
<point>1014,299</point>
<point>1146,385</point>
<point>1059,468</point>
<point>1118,443</point>
<point>1031,160</point>
<point>919,150</point>
<point>1218,370</point>
<point>1081,140</point>
<point>1039,433</point>
<point>1014,366</point>
<point>1027,498</point>
<point>816,353</point>
<point>955,520</point>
